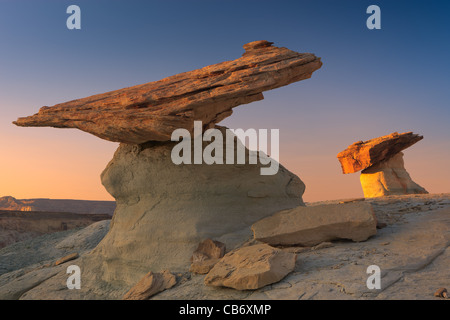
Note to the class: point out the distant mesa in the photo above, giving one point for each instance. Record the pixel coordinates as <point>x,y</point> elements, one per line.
<point>381,161</point>
<point>174,219</point>
<point>152,111</point>
<point>16,226</point>
<point>58,205</point>
<point>24,219</point>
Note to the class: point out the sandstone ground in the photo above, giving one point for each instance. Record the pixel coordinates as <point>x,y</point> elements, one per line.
<point>411,251</point>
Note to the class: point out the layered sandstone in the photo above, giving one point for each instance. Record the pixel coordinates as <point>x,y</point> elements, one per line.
<point>151,284</point>
<point>363,154</point>
<point>312,225</point>
<point>388,178</point>
<point>152,111</point>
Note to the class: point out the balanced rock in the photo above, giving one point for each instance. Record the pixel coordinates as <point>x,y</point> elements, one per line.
<point>151,284</point>
<point>382,163</point>
<point>387,178</point>
<point>164,210</point>
<point>251,267</point>
<point>152,111</point>
<point>363,154</point>
<point>310,226</point>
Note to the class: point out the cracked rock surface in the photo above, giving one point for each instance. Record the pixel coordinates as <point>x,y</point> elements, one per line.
<point>412,252</point>
<point>152,111</point>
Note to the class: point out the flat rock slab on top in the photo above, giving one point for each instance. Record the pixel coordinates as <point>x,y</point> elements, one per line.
<point>152,111</point>
<point>363,154</point>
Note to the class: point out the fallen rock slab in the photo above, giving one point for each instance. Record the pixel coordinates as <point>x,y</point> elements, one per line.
<point>152,111</point>
<point>206,256</point>
<point>151,284</point>
<point>252,267</point>
<point>388,178</point>
<point>310,226</point>
<point>363,154</point>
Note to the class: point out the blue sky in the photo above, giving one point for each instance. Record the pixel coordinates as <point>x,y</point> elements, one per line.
<point>372,83</point>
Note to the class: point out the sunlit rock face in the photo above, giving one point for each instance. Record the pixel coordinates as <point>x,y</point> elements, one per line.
<point>381,161</point>
<point>363,154</point>
<point>388,178</point>
<point>152,111</point>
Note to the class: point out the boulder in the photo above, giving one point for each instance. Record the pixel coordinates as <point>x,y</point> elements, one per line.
<point>151,284</point>
<point>152,111</point>
<point>206,256</point>
<point>363,154</point>
<point>251,267</point>
<point>387,178</point>
<point>310,226</point>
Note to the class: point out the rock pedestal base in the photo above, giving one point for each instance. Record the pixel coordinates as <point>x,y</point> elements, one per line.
<point>165,210</point>
<point>388,178</point>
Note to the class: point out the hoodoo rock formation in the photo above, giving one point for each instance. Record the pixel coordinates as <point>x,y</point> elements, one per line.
<point>164,210</point>
<point>381,161</point>
<point>152,111</point>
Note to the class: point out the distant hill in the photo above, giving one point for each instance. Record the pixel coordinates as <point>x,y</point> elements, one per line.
<point>16,226</point>
<point>58,205</point>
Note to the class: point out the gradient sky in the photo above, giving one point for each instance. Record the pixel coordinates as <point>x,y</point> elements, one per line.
<point>372,82</point>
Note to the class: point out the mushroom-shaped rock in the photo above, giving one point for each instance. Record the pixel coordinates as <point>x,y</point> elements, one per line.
<point>363,154</point>
<point>381,161</point>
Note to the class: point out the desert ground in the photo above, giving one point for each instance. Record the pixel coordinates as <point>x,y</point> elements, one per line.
<point>411,248</point>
